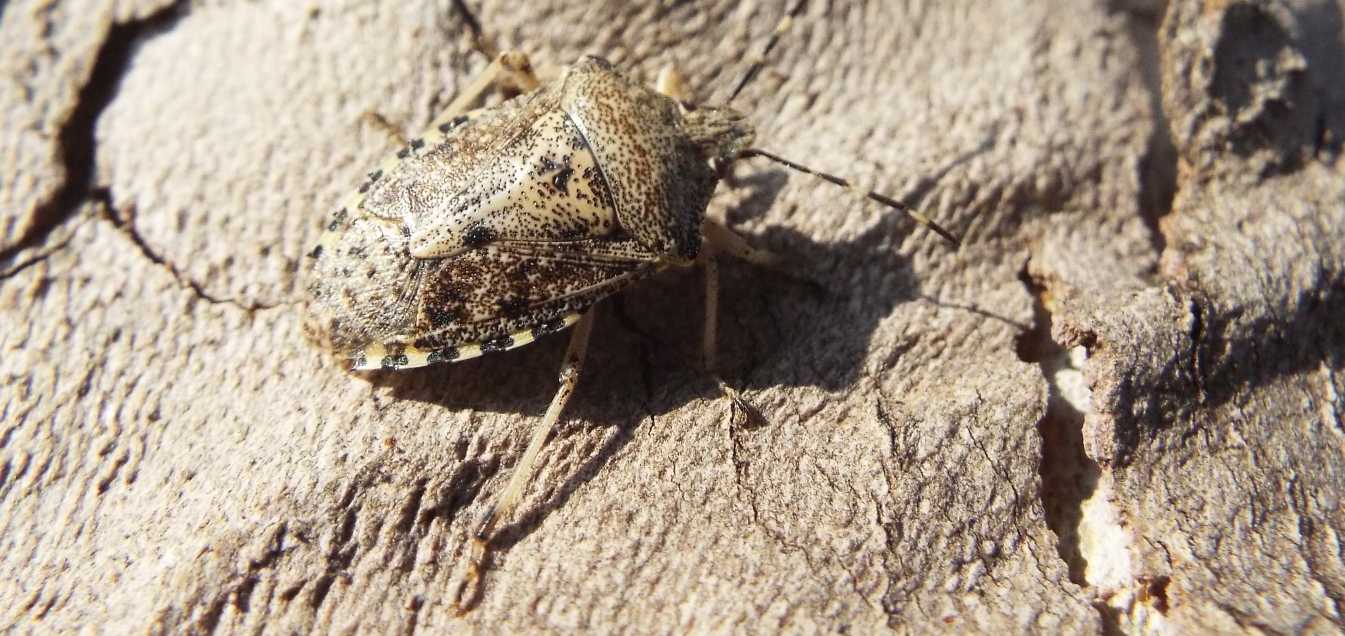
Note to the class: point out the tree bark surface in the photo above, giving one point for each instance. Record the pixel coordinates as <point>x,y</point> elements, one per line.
<point>1118,406</point>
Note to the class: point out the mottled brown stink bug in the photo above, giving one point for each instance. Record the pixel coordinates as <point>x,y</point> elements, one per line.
<point>501,225</point>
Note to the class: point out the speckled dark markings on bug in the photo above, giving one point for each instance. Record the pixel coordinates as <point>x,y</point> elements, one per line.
<point>502,225</point>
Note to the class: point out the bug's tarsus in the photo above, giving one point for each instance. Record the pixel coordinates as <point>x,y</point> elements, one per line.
<point>742,413</point>
<point>868,194</point>
<point>755,69</point>
<point>469,591</point>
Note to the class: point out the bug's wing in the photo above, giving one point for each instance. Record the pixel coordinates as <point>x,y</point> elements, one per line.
<point>505,296</point>
<point>516,287</point>
<point>542,184</point>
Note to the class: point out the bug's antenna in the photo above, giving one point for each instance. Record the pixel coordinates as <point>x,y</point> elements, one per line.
<point>756,67</point>
<point>868,194</point>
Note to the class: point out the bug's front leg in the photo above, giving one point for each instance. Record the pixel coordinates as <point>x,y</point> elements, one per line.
<point>710,339</point>
<point>523,471</point>
<point>671,83</point>
<point>722,239</point>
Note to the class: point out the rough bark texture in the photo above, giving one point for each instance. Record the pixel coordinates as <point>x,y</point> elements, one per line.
<point>1118,406</point>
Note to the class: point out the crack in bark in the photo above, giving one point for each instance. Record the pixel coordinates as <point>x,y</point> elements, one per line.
<point>996,467</point>
<point>78,150</point>
<point>338,558</point>
<point>241,585</point>
<point>125,222</point>
<point>75,138</point>
<point>41,256</point>
<point>413,606</point>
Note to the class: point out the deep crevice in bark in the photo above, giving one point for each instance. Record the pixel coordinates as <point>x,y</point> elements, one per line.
<point>1069,477</point>
<point>1158,165</point>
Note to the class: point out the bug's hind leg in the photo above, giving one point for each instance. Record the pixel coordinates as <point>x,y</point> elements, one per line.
<point>569,379</point>
<point>523,471</point>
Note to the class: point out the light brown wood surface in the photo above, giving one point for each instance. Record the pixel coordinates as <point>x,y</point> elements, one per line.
<point>1117,406</point>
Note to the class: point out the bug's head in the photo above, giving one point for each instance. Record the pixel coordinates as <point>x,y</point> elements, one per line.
<point>720,133</point>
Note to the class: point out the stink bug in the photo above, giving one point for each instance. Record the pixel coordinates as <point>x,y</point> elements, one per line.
<point>501,225</point>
